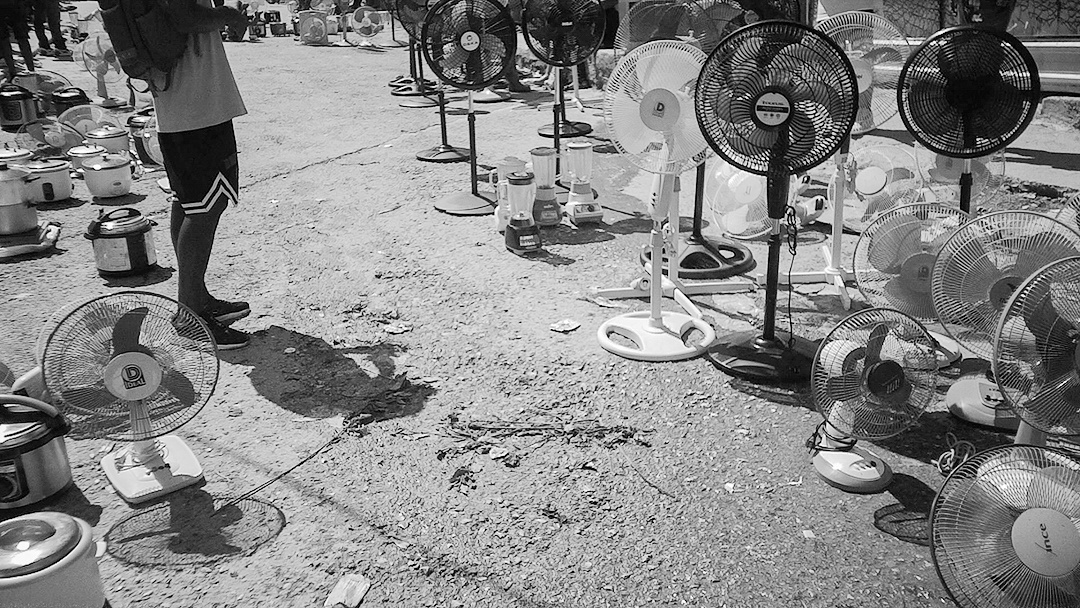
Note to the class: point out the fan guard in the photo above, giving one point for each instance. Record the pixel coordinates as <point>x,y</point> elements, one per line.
<point>1070,212</point>
<point>650,20</point>
<point>878,178</point>
<point>367,22</point>
<point>1037,349</point>
<point>469,43</point>
<point>87,117</point>
<point>984,262</point>
<point>411,14</point>
<point>47,137</point>
<point>991,523</point>
<point>563,33</point>
<point>312,27</point>
<point>98,57</point>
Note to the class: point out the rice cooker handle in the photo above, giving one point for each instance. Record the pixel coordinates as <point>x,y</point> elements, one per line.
<point>94,229</point>
<point>41,406</point>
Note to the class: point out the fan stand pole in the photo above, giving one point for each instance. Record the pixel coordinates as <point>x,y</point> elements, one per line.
<point>472,202</point>
<point>561,127</point>
<point>966,181</point>
<point>416,88</point>
<point>444,152</point>
<point>106,100</point>
<point>394,42</point>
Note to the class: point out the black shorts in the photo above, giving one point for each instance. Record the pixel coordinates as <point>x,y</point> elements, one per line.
<point>202,167</point>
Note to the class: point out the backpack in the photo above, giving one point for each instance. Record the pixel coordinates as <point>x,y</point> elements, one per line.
<point>146,42</point>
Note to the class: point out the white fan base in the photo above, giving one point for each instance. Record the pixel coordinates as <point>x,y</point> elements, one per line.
<point>656,341</point>
<point>853,470</point>
<point>948,350</point>
<point>176,468</point>
<point>489,96</point>
<point>111,102</point>
<point>977,400</point>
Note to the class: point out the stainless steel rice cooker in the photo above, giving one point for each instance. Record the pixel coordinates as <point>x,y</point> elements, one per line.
<point>50,559</point>
<point>33,458</point>
<point>53,181</point>
<point>17,107</point>
<point>123,242</point>
<point>67,98</point>
<point>135,124</point>
<point>17,212</point>
<point>112,138</point>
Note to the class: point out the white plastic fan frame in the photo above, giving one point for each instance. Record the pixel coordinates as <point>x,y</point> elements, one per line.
<point>93,52</point>
<point>737,200</point>
<point>1069,214</point>
<point>45,134</point>
<point>878,177</point>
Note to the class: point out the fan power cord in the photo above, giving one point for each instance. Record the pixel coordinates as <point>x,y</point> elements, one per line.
<point>959,452</point>
<point>791,220</point>
<point>838,444</point>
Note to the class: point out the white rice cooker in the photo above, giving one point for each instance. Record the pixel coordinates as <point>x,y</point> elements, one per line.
<point>33,458</point>
<point>50,559</point>
<point>53,181</point>
<point>112,138</point>
<point>123,242</point>
<point>78,154</point>
<point>109,175</point>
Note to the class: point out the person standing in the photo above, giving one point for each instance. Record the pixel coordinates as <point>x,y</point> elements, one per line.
<point>13,22</point>
<point>195,130</point>
<point>49,11</point>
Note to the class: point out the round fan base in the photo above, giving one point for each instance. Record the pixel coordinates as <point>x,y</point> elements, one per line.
<point>749,356</point>
<point>444,154</point>
<point>707,259</point>
<point>853,470</point>
<point>401,81</point>
<point>465,203</point>
<point>419,102</point>
<point>567,128</point>
<point>111,102</point>
<point>172,468</point>
<point>489,96</point>
<point>414,89</point>
<point>664,340</point>
<point>393,44</point>
<point>977,400</point>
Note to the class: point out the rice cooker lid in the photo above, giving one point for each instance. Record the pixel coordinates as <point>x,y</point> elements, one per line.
<point>31,543</point>
<point>23,426</point>
<point>47,166</point>
<point>11,91</point>
<point>105,132</point>
<point>11,154</point>
<point>138,121</point>
<point>108,161</point>
<point>132,222</point>
<point>86,150</point>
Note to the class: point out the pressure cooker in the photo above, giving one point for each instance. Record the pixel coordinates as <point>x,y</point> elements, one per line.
<point>50,559</point>
<point>123,242</point>
<point>17,107</point>
<point>67,98</point>
<point>33,458</point>
<point>135,124</point>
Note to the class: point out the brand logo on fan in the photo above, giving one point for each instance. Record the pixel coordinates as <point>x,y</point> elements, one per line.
<point>132,376</point>
<point>1046,538</point>
<point>659,109</point>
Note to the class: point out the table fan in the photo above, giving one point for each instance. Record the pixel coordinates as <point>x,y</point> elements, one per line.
<point>48,138</point>
<point>98,57</point>
<point>873,376</point>
<point>131,367</point>
<point>894,261</point>
<point>648,112</point>
<point>87,117</point>
<point>411,14</point>
<point>968,92</point>
<point>468,44</point>
<point>366,23</point>
<point>976,271</point>
<point>1070,212</point>
<point>775,98</point>
<point>312,28</point>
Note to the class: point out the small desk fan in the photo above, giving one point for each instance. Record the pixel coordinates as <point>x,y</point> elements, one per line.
<point>894,262</point>
<point>98,57</point>
<point>131,367</point>
<point>968,92</point>
<point>312,28</point>
<point>647,111</point>
<point>411,14</point>
<point>366,23</point>
<point>1070,212</point>
<point>977,269</point>
<point>873,376</point>
<point>562,34</point>
<point>468,44</point>
<point>774,98</point>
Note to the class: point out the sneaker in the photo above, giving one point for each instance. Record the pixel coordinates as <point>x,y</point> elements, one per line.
<point>226,337</point>
<point>46,52</point>
<point>63,55</point>
<point>226,312</point>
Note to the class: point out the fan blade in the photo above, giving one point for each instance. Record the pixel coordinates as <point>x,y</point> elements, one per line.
<point>455,59</point>
<point>660,72</point>
<point>930,108</point>
<point>1038,250</point>
<point>973,271</point>
<point>179,387</point>
<point>885,55</point>
<point>908,301</point>
<point>1056,488</point>
<point>844,388</point>
<point>630,132</point>
<point>688,140</point>
<point>802,132</point>
<point>126,331</point>
<point>875,343</point>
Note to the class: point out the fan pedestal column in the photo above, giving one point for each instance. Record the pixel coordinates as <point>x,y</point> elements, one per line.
<point>417,86</point>
<point>471,202</point>
<point>560,126</point>
<point>444,152</point>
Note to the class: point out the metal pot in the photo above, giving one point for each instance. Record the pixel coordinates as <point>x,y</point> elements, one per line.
<point>78,154</point>
<point>33,458</point>
<point>67,98</point>
<point>114,139</point>
<point>17,107</point>
<point>123,242</point>
<point>50,559</point>
<point>17,213</point>
<point>109,175</point>
<point>53,181</point>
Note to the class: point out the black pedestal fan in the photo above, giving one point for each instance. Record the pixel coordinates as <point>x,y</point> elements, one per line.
<point>968,92</point>
<point>774,98</point>
<point>469,44</point>
<point>411,15</point>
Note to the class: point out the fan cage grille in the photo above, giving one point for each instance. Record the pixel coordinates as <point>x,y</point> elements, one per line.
<point>837,381</point>
<point>411,14</point>
<point>1037,349</point>
<point>79,348</point>
<point>554,43</point>
<point>651,20</point>
<point>1070,212</point>
<point>971,523</point>
<point>469,43</point>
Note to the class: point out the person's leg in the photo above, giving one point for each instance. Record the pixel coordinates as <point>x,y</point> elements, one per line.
<point>39,26</point>
<point>9,57</point>
<point>22,36</point>
<point>52,15</point>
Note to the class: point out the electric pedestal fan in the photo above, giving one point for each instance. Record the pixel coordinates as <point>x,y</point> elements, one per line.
<point>131,367</point>
<point>563,34</point>
<point>366,23</point>
<point>968,92</point>
<point>468,44</point>
<point>894,262</point>
<point>647,111</point>
<point>411,14</point>
<point>976,271</point>
<point>98,57</point>
<point>774,98</point>
<point>873,376</point>
<point>877,50</point>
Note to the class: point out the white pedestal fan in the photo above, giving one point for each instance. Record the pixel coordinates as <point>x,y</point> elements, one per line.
<point>98,57</point>
<point>648,111</point>
<point>366,23</point>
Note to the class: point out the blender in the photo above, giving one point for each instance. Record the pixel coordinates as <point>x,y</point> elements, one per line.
<point>498,177</point>
<point>580,207</point>
<point>522,235</point>
<point>545,210</point>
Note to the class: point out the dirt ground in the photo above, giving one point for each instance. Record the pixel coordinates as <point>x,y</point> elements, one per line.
<point>471,456</point>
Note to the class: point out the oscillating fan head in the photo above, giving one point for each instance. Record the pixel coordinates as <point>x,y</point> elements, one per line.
<point>98,57</point>
<point>967,92</point>
<point>563,32</point>
<point>874,374</point>
<point>125,347</point>
<point>1004,531</point>
<point>984,262</point>
<point>777,98</point>
<point>650,20</point>
<point>1037,349</point>
<point>877,50</point>
<point>411,14</point>
<point>469,43</point>
<point>648,106</point>
<point>312,27</point>
<point>895,256</point>
<point>367,22</point>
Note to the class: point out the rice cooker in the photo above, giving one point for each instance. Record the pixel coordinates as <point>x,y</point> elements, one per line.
<point>136,123</point>
<point>78,154</point>
<point>50,559</point>
<point>53,181</point>
<point>123,242</point>
<point>112,138</point>
<point>33,458</point>
<point>108,176</point>
<point>15,156</point>
<point>17,107</point>
<point>67,98</point>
